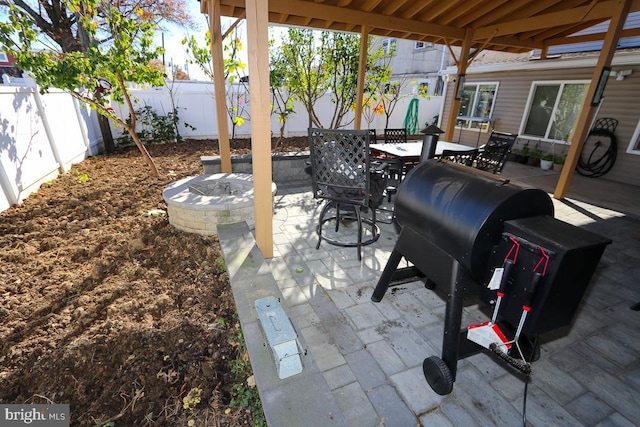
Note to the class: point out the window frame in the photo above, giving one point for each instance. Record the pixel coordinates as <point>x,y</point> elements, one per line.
<point>528,106</point>
<point>388,46</point>
<point>634,144</point>
<point>4,57</point>
<point>423,45</point>
<point>475,125</point>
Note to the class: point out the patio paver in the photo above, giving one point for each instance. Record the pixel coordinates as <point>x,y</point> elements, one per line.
<point>364,360</point>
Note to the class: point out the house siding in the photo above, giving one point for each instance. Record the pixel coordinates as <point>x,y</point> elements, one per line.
<point>620,102</point>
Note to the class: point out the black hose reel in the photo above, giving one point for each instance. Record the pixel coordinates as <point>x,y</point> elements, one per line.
<point>600,150</point>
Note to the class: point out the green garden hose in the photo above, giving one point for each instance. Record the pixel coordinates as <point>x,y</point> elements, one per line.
<point>411,119</point>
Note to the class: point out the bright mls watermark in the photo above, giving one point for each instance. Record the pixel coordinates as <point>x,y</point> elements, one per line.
<point>34,415</point>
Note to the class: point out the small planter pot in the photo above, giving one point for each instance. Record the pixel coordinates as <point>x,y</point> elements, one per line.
<point>557,166</point>
<point>533,161</point>
<point>546,164</point>
<point>522,159</point>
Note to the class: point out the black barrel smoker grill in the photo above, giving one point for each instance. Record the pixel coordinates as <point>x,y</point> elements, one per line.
<point>458,225</point>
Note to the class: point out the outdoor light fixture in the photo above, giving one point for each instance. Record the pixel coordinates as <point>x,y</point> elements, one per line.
<point>602,82</point>
<point>620,75</point>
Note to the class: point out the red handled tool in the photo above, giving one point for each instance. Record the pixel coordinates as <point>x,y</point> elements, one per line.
<point>488,333</point>
<point>521,364</point>
<point>531,289</point>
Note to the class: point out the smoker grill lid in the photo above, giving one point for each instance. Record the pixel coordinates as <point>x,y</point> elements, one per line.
<point>463,213</point>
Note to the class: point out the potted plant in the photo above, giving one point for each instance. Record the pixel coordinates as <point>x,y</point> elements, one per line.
<point>535,155</point>
<point>558,163</point>
<point>546,162</point>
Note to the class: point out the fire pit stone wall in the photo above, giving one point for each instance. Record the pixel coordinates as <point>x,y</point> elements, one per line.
<point>198,204</point>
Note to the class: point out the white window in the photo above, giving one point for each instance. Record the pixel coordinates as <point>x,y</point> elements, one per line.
<point>477,101</point>
<point>634,144</point>
<point>3,57</point>
<point>552,109</point>
<point>389,46</point>
<point>422,45</point>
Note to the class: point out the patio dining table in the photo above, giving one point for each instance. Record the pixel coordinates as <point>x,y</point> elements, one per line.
<point>411,151</point>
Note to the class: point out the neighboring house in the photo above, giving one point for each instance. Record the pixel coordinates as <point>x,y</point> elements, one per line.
<point>541,100</point>
<point>418,63</point>
<point>8,73</point>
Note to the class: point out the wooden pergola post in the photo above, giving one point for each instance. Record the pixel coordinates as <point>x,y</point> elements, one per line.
<point>215,29</point>
<point>362,69</point>
<point>581,130</point>
<point>258,47</point>
<point>462,63</point>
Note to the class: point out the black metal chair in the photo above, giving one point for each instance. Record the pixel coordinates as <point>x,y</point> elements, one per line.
<point>501,138</point>
<point>395,136</point>
<point>493,154</point>
<point>466,157</point>
<point>397,167</point>
<point>343,175</point>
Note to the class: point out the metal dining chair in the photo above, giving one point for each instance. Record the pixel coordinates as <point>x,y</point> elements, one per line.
<point>395,136</point>
<point>397,167</point>
<point>343,175</point>
<point>493,154</point>
<point>466,158</point>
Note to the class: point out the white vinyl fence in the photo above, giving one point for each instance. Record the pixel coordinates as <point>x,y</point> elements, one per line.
<point>41,136</point>
<point>195,102</point>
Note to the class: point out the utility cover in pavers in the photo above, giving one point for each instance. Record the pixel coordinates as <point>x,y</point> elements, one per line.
<point>281,337</point>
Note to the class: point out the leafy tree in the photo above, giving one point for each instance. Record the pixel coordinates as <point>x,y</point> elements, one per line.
<point>58,22</point>
<point>371,107</point>
<point>156,64</point>
<point>234,73</point>
<point>179,74</point>
<point>305,67</point>
<point>379,86</point>
<point>377,78</point>
<point>313,65</point>
<point>282,99</point>
<point>390,94</point>
<point>102,68</point>
<point>343,60</point>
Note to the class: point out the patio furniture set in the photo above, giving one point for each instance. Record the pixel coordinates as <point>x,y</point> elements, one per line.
<point>353,173</point>
<point>458,229</point>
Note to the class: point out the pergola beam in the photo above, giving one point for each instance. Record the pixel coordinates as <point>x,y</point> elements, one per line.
<point>597,12</point>
<point>356,18</point>
<point>462,63</point>
<point>215,30</point>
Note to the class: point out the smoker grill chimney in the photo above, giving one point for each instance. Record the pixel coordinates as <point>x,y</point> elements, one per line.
<point>429,141</point>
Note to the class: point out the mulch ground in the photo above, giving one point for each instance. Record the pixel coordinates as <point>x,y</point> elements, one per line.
<point>107,307</point>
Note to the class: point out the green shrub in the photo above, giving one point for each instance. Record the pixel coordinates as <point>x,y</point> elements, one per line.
<point>153,128</point>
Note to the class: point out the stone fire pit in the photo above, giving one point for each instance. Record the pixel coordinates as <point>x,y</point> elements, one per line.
<point>198,204</point>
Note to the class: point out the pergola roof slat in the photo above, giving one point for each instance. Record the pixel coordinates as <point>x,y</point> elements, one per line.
<point>511,26</point>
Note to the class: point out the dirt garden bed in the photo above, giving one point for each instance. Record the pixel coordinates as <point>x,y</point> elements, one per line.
<point>106,307</point>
